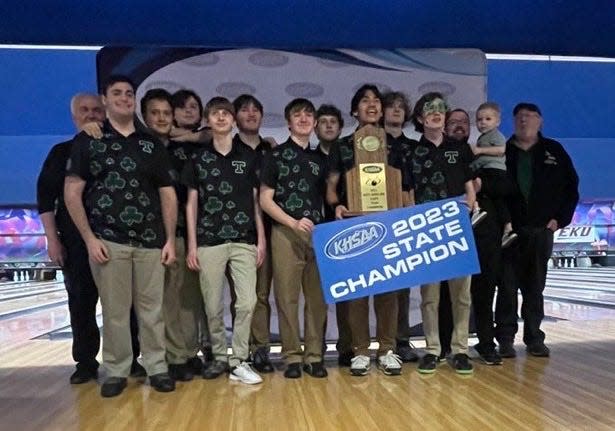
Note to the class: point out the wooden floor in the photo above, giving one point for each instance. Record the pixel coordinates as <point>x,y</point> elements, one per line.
<point>574,389</point>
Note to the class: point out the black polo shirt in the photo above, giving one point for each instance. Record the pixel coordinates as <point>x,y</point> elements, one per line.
<point>341,160</point>
<point>179,154</point>
<point>225,184</point>
<point>298,178</point>
<point>123,175</point>
<point>50,190</point>
<point>439,172</point>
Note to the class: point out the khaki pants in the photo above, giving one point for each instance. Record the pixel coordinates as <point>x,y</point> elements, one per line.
<point>261,319</point>
<point>182,306</point>
<point>459,289</point>
<point>241,261</point>
<point>294,271</point>
<point>131,276</point>
<point>385,306</point>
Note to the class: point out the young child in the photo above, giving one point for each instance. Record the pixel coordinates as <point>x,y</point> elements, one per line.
<point>490,164</point>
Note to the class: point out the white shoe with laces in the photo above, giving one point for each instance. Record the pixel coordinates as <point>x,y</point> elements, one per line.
<point>359,365</point>
<point>390,364</point>
<point>245,374</point>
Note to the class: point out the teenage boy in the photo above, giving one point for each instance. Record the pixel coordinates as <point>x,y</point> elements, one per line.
<point>329,124</point>
<point>292,189</point>
<point>119,193</point>
<point>366,107</point>
<point>249,117</point>
<point>397,113</point>
<point>224,225</point>
<point>182,304</point>
<point>440,170</point>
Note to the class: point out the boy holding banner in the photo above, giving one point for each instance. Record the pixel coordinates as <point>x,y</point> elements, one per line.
<point>366,107</point>
<point>292,189</point>
<point>440,169</point>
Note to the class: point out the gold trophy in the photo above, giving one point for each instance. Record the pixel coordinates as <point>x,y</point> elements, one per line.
<point>372,185</point>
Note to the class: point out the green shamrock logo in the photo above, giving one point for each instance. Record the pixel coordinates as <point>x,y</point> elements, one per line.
<point>303,185</point>
<point>294,202</point>
<point>437,178</point>
<point>114,181</point>
<point>202,172</point>
<point>241,218</point>
<point>128,164</point>
<point>134,183</point>
<point>289,154</point>
<point>110,161</point>
<point>215,172</point>
<point>150,217</point>
<point>148,235</point>
<point>104,201</point>
<point>284,170</point>
<point>346,153</point>
<point>98,147</point>
<point>225,188</point>
<point>230,205</point>
<point>143,199</point>
<point>131,215</point>
<point>213,205</point>
<point>227,232</point>
<point>95,168</point>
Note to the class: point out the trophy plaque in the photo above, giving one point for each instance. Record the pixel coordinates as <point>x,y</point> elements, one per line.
<point>372,185</point>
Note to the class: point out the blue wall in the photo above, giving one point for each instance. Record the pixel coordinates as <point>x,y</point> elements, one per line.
<point>574,97</point>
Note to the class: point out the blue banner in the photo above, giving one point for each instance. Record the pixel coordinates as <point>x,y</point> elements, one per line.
<point>394,250</point>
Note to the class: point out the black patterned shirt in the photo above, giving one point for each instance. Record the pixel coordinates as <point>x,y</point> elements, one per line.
<point>225,185</point>
<point>179,154</point>
<point>440,172</point>
<point>297,177</point>
<point>123,175</point>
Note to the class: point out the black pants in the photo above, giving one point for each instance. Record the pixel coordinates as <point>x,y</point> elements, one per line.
<point>403,316</point>
<point>487,236</point>
<point>82,299</point>
<point>525,269</point>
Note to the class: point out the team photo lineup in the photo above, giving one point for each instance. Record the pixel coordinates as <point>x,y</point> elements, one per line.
<point>161,218</point>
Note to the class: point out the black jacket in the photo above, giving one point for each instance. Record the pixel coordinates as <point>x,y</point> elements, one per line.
<point>554,191</point>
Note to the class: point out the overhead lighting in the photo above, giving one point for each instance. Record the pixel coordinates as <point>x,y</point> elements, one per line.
<point>526,57</point>
<point>53,47</point>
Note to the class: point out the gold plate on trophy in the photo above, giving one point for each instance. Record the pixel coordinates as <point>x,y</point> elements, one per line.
<point>373,190</point>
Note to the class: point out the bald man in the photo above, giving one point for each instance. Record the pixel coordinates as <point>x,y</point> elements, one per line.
<point>67,250</point>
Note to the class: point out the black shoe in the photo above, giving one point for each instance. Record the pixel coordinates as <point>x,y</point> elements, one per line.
<point>428,364</point>
<point>181,372</point>
<point>215,369</point>
<point>261,361</point>
<point>315,369</point>
<point>208,354</point>
<point>137,370</point>
<point>293,371</point>
<point>539,350</point>
<point>83,375</point>
<point>195,365</point>
<point>462,364</point>
<point>162,382</point>
<point>113,386</point>
<point>406,353</point>
<point>443,355</point>
<point>507,350</point>
<point>488,356</point>
<point>344,359</point>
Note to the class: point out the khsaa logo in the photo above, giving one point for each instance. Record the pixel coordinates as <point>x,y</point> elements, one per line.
<point>355,240</point>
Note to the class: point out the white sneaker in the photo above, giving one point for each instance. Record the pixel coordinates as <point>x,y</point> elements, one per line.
<point>359,365</point>
<point>477,217</point>
<point>245,374</point>
<point>390,364</point>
